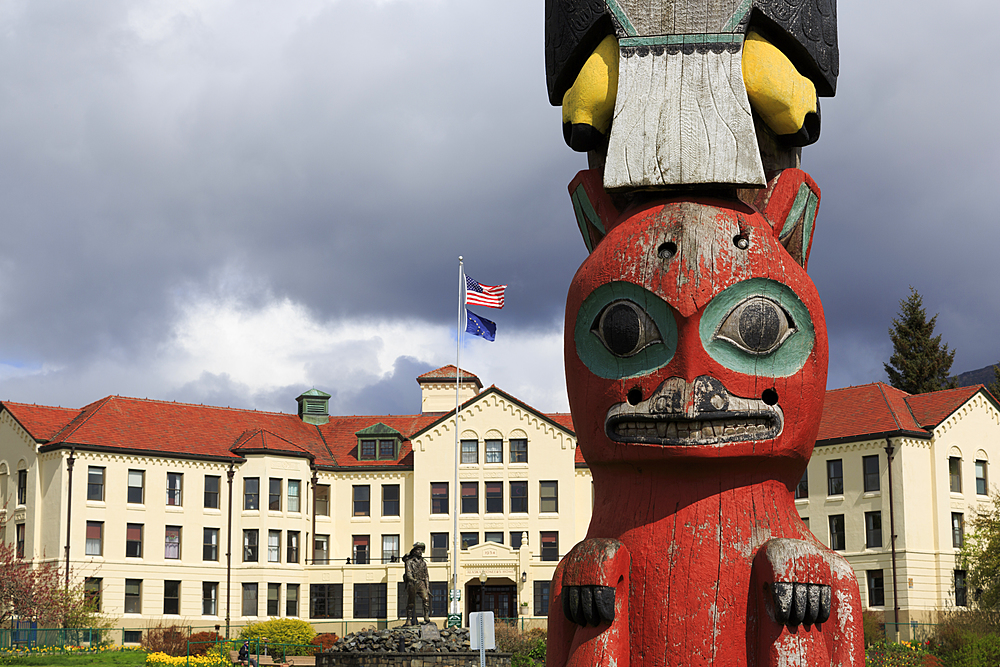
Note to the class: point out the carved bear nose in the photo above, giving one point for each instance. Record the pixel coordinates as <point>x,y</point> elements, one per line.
<point>710,395</point>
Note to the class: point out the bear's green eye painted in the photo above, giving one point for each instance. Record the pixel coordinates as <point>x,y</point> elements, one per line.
<point>758,327</point>
<point>623,330</point>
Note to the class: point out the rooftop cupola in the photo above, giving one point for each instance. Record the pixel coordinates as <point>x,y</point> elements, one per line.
<point>314,406</point>
<point>437,389</point>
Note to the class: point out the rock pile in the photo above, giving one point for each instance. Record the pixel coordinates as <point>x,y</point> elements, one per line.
<point>413,639</point>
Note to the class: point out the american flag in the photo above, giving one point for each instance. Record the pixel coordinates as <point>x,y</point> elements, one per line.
<point>483,295</point>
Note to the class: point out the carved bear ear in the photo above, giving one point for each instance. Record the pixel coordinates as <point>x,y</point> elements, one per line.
<point>789,204</point>
<point>595,213</point>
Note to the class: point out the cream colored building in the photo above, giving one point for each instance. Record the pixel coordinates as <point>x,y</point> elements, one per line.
<point>942,445</point>
<point>322,507</point>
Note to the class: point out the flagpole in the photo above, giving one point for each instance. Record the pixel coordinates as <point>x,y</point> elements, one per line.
<point>458,381</point>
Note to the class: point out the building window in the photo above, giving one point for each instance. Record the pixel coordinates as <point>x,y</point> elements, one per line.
<point>22,487</point>
<point>294,491</point>
<point>439,598</point>
<point>805,520</point>
<point>390,548</point>
<point>955,474</point>
<point>274,494</point>
<point>291,600</point>
<point>293,547</point>
<point>548,497</point>
<point>869,466</point>
<point>212,483</point>
<point>390,500</point>
<point>835,477</point>
<point>362,500</point>
<point>370,601</point>
<point>209,598</point>
<point>321,500</point>
<point>95,538</point>
<point>802,488</point>
<point>172,597</point>
<point>175,485</point>
<point>494,497</point>
<point>210,545</point>
<point>493,536</point>
<point>274,546</point>
<point>131,636</point>
<point>326,600</point>
<point>172,548</point>
<point>136,486</point>
<point>550,545</point>
<point>251,493</point>
<point>873,530</point>
<point>95,483</point>
<point>273,599</point>
<point>133,596</point>
<point>876,588</point>
<point>470,451</point>
<point>92,593</point>
<point>367,449</point>
<point>515,539</point>
<point>133,540</point>
<point>837,532</point>
<point>542,598</point>
<point>982,487</point>
<point>19,540</point>
<point>250,547</point>
<point>518,497</point>
<point>518,450</point>
<point>439,497</point>
<point>359,549</point>
<point>960,592</point>
<point>439,547</point>
<point>957,529</point>
<point>494,451</point>
<point>321,549</point>
<point>470,497</point>
<point>469,540</point>
<point>387,449</point>
<point>249,600</point>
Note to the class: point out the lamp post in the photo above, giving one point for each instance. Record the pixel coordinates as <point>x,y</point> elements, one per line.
<point>482,614</point>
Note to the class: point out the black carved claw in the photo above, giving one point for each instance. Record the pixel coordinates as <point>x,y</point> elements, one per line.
<point>589,605</point>
<point>796,604</point>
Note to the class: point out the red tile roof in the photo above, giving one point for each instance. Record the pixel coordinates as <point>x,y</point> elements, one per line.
<point>448,373</point>
<point>261,440</point>
<point>41,421</point>
<point>877,408</point>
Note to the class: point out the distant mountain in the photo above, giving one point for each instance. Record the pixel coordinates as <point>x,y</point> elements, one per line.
<point>982,375</point>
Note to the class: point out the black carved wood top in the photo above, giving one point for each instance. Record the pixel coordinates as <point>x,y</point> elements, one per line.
<point>806,30</point>
<point>573,29</point>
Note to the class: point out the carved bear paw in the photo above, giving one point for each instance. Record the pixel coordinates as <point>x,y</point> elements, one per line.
<point>591,572</point>
<point>796,577</point>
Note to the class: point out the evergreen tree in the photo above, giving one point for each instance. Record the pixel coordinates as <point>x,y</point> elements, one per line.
<point>920,362</point>
<point>994,387</point>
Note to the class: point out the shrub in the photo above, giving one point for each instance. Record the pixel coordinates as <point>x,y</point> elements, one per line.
<point>169,639</point>
<point>526,648</point>
<point>874,626</point>
<point>325,640</point>
<point>201,642</point>
<point>280,631</point>
<point>981,651</point>
<point>897,654</point>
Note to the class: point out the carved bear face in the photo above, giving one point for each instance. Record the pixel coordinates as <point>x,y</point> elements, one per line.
<point>691,333</point>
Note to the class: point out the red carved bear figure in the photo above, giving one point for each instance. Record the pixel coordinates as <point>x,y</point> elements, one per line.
<point>696,360</point>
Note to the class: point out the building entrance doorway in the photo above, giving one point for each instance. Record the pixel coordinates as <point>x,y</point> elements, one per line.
<point>500,598</point>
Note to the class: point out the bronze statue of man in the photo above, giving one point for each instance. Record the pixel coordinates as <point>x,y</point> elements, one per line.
<point>417,581</point>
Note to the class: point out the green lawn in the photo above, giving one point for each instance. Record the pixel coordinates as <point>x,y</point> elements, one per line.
<point>118,658</point>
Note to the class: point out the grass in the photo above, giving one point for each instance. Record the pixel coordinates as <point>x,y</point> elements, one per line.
<point>117,658</point>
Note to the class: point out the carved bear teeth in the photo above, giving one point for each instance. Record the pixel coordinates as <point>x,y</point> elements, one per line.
<point>694,431</point>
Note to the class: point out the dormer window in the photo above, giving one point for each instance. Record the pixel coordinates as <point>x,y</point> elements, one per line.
<point>379,443</point>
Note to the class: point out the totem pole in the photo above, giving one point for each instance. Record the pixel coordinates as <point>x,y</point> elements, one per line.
<point>695,349</point>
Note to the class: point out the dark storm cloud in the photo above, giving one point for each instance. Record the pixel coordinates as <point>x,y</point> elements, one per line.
<point>344,154</point>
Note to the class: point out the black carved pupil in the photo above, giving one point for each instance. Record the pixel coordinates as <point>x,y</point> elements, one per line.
<point>759,326</point>
<point>620,328</point>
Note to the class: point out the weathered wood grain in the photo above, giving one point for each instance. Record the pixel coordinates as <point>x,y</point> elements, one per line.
<point>682,118</point>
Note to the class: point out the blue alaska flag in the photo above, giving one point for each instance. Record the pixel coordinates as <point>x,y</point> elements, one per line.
<point>480,326</point>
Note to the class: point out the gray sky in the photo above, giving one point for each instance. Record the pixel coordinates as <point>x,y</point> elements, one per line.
<point>229,202</point>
